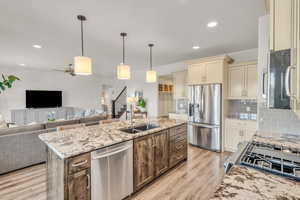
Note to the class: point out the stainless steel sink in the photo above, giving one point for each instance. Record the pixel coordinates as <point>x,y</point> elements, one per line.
<point>146,127</point>
<point>138,129</point>
<point>130,130</point>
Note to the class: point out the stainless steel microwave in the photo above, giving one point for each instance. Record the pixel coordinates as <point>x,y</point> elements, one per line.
<point>279,79</point>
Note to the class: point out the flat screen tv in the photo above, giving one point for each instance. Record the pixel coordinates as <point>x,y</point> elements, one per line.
<point>43,99</point>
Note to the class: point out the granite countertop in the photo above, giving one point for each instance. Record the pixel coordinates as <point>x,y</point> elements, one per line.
<point>248,183</point>
<point>290,141</point>
<point>243,183</point>
<point>238,118</point>
<point>73,142</point>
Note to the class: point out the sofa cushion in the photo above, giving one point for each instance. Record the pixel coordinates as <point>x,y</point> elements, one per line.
<point>61,123</point>
<point>21,150</point>
<point>21,129</point>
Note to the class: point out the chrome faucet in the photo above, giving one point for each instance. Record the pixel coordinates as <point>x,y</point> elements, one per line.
<point>131,115</point>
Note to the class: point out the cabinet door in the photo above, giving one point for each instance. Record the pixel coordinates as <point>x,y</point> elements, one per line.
<point>251,81</point>
<point>143,166</point>
<point>236,82</point>
<point>248,134</point>
<point>196,74</point>
<point>161,152</point>
<point>79,185</point>
<point>233,137</point>
<point>296,50</point>
<point>214,72</point>
<point>295,58</point>
<point>281,20</point>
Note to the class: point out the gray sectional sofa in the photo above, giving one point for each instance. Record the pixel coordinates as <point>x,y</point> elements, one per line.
<point>20,147</point>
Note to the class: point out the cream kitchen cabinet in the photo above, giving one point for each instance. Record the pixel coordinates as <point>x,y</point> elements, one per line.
<point>237,131</point>
<point>204,73</point>
<point>207,70</point>
<point>214,72</point>
<point>242,81</point>
<point>196,74</point>
<point>295,58</point>
<point>280,24</point>
<point>180,84</point>
<point>251,81</point>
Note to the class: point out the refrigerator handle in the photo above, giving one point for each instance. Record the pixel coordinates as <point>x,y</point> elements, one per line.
<point>264,82</point>
<point>288,81</point>
<point>202,104</point>
<point>191,108</point>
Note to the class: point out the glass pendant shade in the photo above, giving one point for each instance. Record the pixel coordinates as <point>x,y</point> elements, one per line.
<point>151,76</point>
<point>82,65</point>
<point>123,72</point>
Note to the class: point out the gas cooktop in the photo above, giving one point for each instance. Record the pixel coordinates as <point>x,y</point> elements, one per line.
<point>275,159</point>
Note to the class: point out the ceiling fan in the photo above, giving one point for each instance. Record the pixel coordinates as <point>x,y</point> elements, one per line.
<point>67,69</point>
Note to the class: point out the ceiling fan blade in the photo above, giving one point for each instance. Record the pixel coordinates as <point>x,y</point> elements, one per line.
<point>59,70</point>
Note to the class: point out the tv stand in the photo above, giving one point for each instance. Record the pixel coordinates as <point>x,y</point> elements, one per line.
<point>40,115</point>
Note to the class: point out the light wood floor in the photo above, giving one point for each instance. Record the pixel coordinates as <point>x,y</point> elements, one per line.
<point>195,179</point>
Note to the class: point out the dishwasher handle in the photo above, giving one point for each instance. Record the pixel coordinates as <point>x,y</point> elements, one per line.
<point>112,153</point>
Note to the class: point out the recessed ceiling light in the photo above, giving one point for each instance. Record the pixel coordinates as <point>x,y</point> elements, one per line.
<point>196,47</point>
<point>212,24</point>
<point>37,46</point>
<point>22,64</point>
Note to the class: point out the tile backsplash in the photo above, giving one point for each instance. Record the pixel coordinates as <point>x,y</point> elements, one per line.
<point>278,120</point>
<point>240,108</point>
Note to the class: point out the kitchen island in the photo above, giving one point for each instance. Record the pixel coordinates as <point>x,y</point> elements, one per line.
<point>69,167</point>
<point>251,184</point>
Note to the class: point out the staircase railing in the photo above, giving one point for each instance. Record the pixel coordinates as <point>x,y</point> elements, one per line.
<point>119,102</point>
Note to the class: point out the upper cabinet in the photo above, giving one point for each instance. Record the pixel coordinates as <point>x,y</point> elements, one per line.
<point>196,74</point>
<point>280,24</point>
<point>242,81</point>
<point>207,70</point>
<point>180,84</point>
<point>295,58</point>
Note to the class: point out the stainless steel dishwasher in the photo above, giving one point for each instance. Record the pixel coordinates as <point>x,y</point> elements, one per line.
<point>112,172</point>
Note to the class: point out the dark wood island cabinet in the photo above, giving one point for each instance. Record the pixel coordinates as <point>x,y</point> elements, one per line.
<point>154,153</point>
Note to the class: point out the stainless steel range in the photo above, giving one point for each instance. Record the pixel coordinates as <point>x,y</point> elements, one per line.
<point>275,159</point>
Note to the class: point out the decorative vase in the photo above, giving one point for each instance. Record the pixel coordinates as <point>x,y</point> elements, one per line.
<point>2,122</point>
<point>142,109</point>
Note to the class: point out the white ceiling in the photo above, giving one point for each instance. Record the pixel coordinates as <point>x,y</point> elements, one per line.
<point>173,25</point>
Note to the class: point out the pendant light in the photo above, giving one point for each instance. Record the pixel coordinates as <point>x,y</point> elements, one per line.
<point>151,74</point>
<point>123,69</point>
<point>82,64</point>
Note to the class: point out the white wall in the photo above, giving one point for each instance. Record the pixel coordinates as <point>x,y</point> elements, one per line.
<point>78,91</point>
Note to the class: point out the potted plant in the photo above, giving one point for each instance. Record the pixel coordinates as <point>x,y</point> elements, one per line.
<point>7,82</point>
<point>142,105</point>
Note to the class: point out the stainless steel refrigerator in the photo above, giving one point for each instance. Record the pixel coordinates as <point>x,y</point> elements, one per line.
<point>204,127</point>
